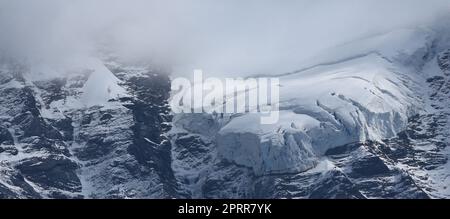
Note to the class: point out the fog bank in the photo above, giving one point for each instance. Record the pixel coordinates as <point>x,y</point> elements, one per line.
<point>220,37</point>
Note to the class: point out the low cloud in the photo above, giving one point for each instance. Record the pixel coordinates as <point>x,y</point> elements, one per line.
<point>221,37</point>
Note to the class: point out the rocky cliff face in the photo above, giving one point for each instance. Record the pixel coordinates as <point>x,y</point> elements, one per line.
<point>55,144</point>
<point>372,123</point>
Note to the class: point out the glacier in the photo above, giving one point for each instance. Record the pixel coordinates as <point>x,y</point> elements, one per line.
<point>365,97</point>
<point>363,91</point>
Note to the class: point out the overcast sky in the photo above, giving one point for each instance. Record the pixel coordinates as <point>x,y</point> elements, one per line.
<point>221,36</point>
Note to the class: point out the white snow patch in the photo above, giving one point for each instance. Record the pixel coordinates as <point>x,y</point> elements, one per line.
<point>101,87</point>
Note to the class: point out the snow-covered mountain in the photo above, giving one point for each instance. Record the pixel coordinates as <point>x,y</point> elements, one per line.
<point>368,119</point>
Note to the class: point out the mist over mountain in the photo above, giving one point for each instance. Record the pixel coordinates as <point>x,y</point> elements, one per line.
<point>221,37</point>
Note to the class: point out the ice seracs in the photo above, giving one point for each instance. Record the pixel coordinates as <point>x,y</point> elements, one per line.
<point>267,149</point>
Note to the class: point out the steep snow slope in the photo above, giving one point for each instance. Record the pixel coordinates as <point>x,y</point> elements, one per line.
<point>422,150</point>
